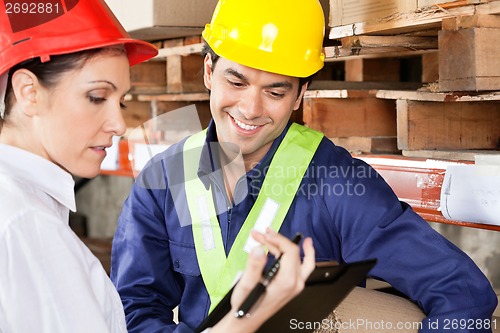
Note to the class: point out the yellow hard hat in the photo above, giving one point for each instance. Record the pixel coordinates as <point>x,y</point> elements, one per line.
<point>283,37</point>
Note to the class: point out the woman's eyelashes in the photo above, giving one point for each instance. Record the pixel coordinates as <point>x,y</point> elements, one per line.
<point>96,99</point>
<point>99,100</point>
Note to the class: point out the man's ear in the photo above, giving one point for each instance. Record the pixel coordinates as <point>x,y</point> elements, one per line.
<point>207,71</point>
<point>301,95</point>
<point>24,86</point>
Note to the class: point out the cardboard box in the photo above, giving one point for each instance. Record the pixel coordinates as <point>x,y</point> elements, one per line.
<point>371,311</point>
<point>344,12</point>
<point>163,19</point>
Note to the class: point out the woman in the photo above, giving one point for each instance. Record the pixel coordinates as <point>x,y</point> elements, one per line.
<point>63,76</point>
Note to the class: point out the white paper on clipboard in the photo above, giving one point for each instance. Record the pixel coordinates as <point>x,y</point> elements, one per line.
<point>471,193</point>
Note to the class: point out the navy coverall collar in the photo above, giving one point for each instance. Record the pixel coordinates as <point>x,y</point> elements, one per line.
<point>210,162</point>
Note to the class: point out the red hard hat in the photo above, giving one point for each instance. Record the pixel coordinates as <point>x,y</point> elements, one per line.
<point>31,29</point>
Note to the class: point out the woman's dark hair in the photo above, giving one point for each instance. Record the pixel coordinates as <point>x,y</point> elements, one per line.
<point>214,56</point>
<point>48,73</point>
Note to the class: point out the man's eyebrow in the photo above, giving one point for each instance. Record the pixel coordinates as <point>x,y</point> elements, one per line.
<point>235,73</point>
<point>283,84</point>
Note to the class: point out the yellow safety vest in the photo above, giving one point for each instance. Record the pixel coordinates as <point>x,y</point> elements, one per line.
<point>218,272</point>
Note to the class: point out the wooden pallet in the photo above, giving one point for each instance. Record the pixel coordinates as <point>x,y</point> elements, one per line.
<point>424,122</point>
<point>178,69</point>
<point>139,108</point>
<point>469,49</point>
<point>172,80</point>
<point>438,125</point>
<point>448,126</point>
<point>465,33</point>
<point>352,116</point>
<point>421,22</point>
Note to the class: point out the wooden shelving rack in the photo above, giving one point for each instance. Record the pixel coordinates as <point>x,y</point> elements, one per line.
<point>381,122</point>
<point>451,119</point>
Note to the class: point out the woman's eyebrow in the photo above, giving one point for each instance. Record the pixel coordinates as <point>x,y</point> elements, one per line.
<point>105,81</point>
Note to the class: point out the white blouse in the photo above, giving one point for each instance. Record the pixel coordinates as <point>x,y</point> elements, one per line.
<point>49,280</point>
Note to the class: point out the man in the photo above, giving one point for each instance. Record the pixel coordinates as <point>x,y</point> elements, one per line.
<point>183,234</point>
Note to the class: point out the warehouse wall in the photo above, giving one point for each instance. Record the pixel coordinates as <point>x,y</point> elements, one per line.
<point>100,201</point>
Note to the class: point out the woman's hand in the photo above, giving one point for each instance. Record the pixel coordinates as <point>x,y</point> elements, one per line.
<point>287,284</point>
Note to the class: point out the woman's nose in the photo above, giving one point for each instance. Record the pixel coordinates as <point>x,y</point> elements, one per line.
<point>115,122</point>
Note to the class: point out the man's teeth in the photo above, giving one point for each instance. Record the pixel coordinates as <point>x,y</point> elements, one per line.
<point>245,126</point>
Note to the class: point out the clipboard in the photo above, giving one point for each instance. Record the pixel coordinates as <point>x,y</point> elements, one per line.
<point>325,289</point>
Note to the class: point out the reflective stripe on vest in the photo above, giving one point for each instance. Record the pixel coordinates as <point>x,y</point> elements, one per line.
<point>279,188</point>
